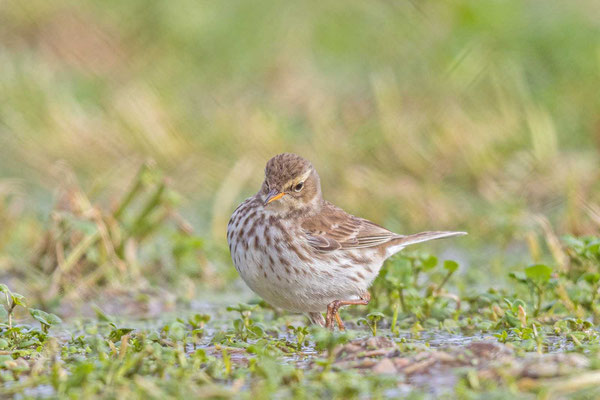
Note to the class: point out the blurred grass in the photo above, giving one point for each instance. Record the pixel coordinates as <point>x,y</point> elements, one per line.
<point>471,115</point>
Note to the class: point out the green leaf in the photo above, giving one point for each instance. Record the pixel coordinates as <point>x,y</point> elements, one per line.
<point>3,314</point>
<point>591,277</point>
<point>54,319</point>
<point>326,339</point>
<point>399,273</point>
<point>375,316</point>
<point>538,273</point>
<point>28,343</point>
<point>429,262</point>
<point>198,320</point>
<point>101,315</point>
<point>574,243</point>
<point>116,334</point>
<point>512,319</point>
<point>238,324</point>
<point>176,331</point>
<point>257,330</point>
<point>18,299</point>
<point>594,248</point>
<point>518,276</point>
<point>517,303</point>
<point>44,317</point>
<point>450,266</point>
<point>242,307</point>
<point>4,289</point>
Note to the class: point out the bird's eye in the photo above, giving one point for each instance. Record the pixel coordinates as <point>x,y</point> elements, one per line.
<point>299,187</point>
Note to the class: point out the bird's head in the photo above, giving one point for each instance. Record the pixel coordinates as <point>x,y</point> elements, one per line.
<point>291,183</point>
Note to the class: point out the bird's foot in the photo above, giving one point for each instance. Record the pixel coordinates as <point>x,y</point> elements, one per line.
<point>334,306</point>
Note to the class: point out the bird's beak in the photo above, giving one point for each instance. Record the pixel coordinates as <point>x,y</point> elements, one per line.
<point>273,195</point>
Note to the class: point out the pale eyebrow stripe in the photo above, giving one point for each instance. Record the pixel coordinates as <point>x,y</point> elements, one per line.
<point>302,179</point>
<point>305,176</point>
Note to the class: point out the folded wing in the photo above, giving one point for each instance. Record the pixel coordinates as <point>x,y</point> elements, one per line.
<point>334,229</point>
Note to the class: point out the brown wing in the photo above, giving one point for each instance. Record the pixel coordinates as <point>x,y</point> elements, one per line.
<point>334,229</point>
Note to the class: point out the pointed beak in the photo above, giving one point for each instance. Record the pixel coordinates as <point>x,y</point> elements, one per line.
<point>273,195</point>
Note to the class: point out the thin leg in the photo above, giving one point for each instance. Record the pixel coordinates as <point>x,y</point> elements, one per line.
<point>334,306</point>
<point>330,312</point>
<point>316,318</point>
<point>340,322</point>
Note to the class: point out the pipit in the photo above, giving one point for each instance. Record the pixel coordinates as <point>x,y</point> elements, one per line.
<point>303,254</point>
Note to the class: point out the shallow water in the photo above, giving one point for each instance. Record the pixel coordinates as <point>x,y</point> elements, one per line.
<point>438,377</point>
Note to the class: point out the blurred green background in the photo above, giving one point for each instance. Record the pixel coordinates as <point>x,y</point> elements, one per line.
<point>471,115</point>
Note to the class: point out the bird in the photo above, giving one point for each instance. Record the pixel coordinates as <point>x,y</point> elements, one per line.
<point>303,254</point>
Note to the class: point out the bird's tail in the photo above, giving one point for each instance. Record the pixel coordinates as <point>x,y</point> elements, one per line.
<point>426,236</point>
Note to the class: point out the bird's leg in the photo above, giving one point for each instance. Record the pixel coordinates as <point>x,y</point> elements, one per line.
<point>331,311</point>
<point>340,322</point>
<point>334,306</point>
<point>316,318</point>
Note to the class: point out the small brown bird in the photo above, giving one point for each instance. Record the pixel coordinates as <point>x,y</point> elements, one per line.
<point>301,253</point>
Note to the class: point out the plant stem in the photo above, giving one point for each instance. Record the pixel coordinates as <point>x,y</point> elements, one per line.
<point>10,308</point>
<point>538,306</point>
<point>395,318</point>
<point>595,313</point>
<point>402,304</point>
<point>441,285</point>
